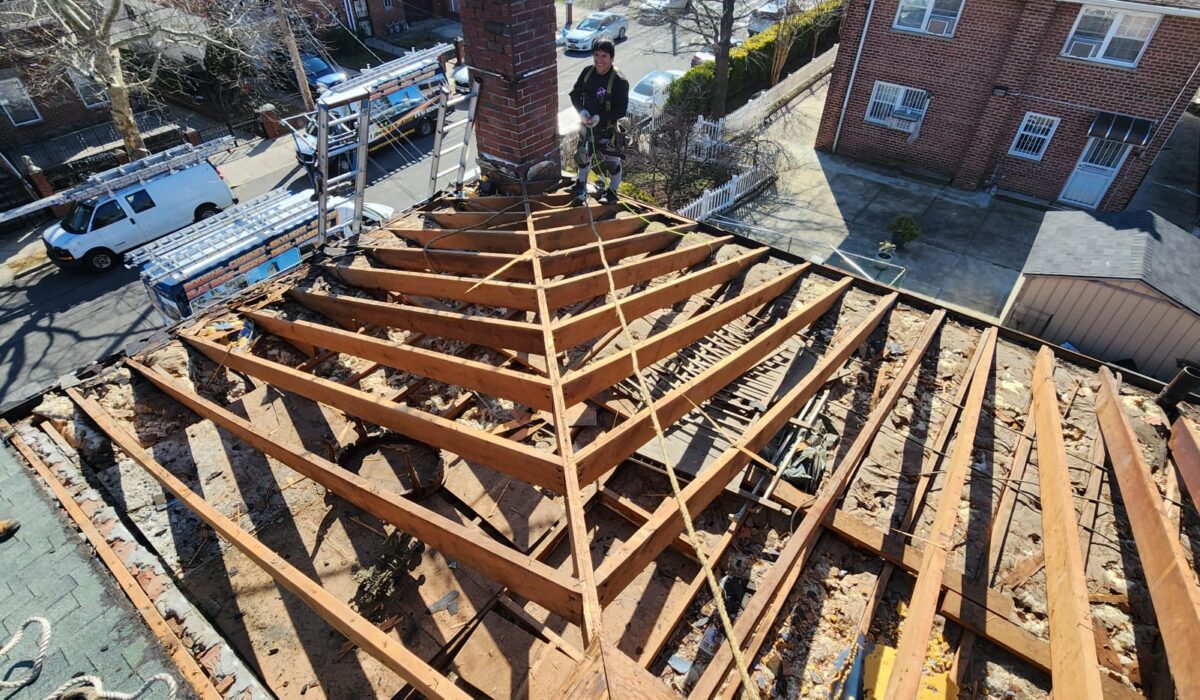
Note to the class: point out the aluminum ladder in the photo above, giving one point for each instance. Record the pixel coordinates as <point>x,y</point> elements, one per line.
<point>343,128</point>
<point>445,104</point>
<point>114,179</point>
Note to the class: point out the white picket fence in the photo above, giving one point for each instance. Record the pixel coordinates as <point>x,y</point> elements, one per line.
<point>719,199</point>
<point>708,139</point>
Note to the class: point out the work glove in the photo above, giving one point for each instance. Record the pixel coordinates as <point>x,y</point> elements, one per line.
<point>588,119</point>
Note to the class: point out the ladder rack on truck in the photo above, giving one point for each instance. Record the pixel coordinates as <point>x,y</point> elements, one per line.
<point>383,78</point>
<point>110,181</point>
<point>215,258</point>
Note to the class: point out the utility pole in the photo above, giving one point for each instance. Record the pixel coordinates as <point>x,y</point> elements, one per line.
<point>570,5</point>
<point>286,28</point>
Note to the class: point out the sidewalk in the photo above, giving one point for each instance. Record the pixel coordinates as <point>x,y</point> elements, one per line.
<point>49,573</point>
<point>972,246</point>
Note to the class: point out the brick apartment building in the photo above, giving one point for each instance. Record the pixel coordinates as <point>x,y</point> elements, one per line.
<point>1064,101</point>
<point>383,17</point>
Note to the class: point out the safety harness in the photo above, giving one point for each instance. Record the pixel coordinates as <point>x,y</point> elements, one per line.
<point>612,73</point>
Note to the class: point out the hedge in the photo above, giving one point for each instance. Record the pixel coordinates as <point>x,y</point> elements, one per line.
<point>750,63</point>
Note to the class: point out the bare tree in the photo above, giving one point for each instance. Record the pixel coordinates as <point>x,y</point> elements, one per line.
<point>713,23</point>
<point>120,46</point>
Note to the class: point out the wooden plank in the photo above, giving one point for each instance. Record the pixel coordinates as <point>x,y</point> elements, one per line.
<point>527,389</point>
<point>568,237</point>
<point>171,642</point>
<point>572,216</point>
<point>512,458</point>
<point>759,614</point>
<point>488,332</point>
<point>521,573</point>
<point>577,329</point>
<point>627,561</point>
<point>615,445</point>
<point>595,284</point>
<point>1172,585</point>
<point>540,202</point>
<point>914,636</point>
<point>1185,447</point>
<point>637,515</point>
<point>582,384</point>
<point>338,614</point>
<point>1075,668</point>
<point>572,260</point>
<point>465,239</point>
<point>457,262</point>
<point>510,295</point>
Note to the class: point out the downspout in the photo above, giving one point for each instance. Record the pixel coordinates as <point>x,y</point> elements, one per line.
<point>862,40</point>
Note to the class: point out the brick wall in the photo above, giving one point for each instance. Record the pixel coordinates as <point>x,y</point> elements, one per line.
<point>61,109</point>
<point>968,131</point>
<point>517,117</point>
<point>384,17</point>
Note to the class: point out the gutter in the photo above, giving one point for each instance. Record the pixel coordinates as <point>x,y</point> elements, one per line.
<point>862,40</point>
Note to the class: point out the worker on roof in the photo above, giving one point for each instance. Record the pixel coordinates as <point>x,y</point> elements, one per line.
<point>601,94</point>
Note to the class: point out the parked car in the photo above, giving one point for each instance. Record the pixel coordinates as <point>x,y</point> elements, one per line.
<point>96,232</point>
<point>649,96</point>
<point>462,77</point>
<point>764,16</point>
<point>321,75</point>
<point>594,27</point>
<point>652,8</point>
<point>708,54</point>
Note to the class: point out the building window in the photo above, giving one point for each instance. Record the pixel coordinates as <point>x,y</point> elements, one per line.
<point>387,4</point>
<point>938,17</point>
<point>897,107</point>
<point>16,103</point>
<point>90,92</point>
<point>1034,136</point>
<point>1107,36</point>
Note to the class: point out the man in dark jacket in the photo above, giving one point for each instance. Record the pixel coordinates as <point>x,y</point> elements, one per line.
<point>601,95</point>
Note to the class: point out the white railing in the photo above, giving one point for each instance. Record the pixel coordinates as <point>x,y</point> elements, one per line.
<point>707,138</point>
<point>719,199</point>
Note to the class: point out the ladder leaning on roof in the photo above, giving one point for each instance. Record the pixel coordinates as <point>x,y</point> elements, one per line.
<point>110,181</point>
<point>467,124</point>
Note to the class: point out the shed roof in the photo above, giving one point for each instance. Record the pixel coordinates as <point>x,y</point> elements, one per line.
<point>1131,245</point>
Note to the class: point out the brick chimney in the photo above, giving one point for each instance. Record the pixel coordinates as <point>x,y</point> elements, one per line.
<point>511,43</point>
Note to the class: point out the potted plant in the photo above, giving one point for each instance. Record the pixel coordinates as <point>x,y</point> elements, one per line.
<point>883,255</point>
<point>904,230</point>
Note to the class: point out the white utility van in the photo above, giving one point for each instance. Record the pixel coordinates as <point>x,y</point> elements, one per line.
<point>95,232</point>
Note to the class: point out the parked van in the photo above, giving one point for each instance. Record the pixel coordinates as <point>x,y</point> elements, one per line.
<point>95,232</point>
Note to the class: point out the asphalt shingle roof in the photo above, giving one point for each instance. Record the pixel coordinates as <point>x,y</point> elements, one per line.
<point>1128,245</point>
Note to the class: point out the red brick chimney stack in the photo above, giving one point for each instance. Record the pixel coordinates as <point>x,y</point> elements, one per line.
<point>516,123</point>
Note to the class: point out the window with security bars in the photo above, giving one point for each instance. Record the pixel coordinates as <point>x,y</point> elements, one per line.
<point>938,17</point>
<point>1034,136</point>
<point>1109,36</point>
<point>896,106</point>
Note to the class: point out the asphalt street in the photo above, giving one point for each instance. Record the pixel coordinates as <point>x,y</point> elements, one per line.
<point>53,321</point>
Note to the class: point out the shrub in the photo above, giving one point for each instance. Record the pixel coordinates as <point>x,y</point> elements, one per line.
<point>750,63</point>
<point>903,229</point>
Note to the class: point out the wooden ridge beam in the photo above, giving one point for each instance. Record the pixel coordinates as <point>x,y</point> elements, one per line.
<point>585,257</point>
<point>528,389</point>
<point>1075,666</point>
<point>585,383</point>
<point>595,284</point>
<point>457,262</point>
<point>613,446</point>
<point>338,614</point>
<point>510,295</point>
<point>512,458</point>
<point>758,615</point>
<point>523,574</point>
<point>625,562</point>
<point>463,239</point>
<point>543,219</point>
<point>478,330</point>
<point>578,329</point>
<point>172,644</point>
<point>1172,584</point>
<point>914,635</point>
<point>1185,447</point>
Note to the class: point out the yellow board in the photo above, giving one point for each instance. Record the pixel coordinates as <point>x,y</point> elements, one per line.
<point>878,669</point>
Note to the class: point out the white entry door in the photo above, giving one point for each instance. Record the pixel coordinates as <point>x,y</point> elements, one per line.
<point>1094,172</point>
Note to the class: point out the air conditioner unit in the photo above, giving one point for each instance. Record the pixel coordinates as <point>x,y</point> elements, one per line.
<point>941,27</point>
<point>1081,48</point>
<point>907,114</point>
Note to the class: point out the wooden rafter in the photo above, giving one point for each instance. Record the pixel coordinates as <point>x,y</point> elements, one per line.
<point>584,383</point>
<point>625,562</point>
<point>611,448</point>
<point>1185,446</point>
<point>595,284</point>
<point>914,637</point>
<point>522,573</point>
<point>585,257</point>
<point>1076,668</point>
<point>339,615</point>
<point>509,295</point>
<point>455,262</point>
<point>591,324</point>
<point>488,332</point>
<point>568,237</point>
<point>516,217</point>
<point>512,458</point>
<point>540,202</point>
<point>527,389</point>
<point>1172,585</point>
<point>486,241</point>
<point>760,613</point>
